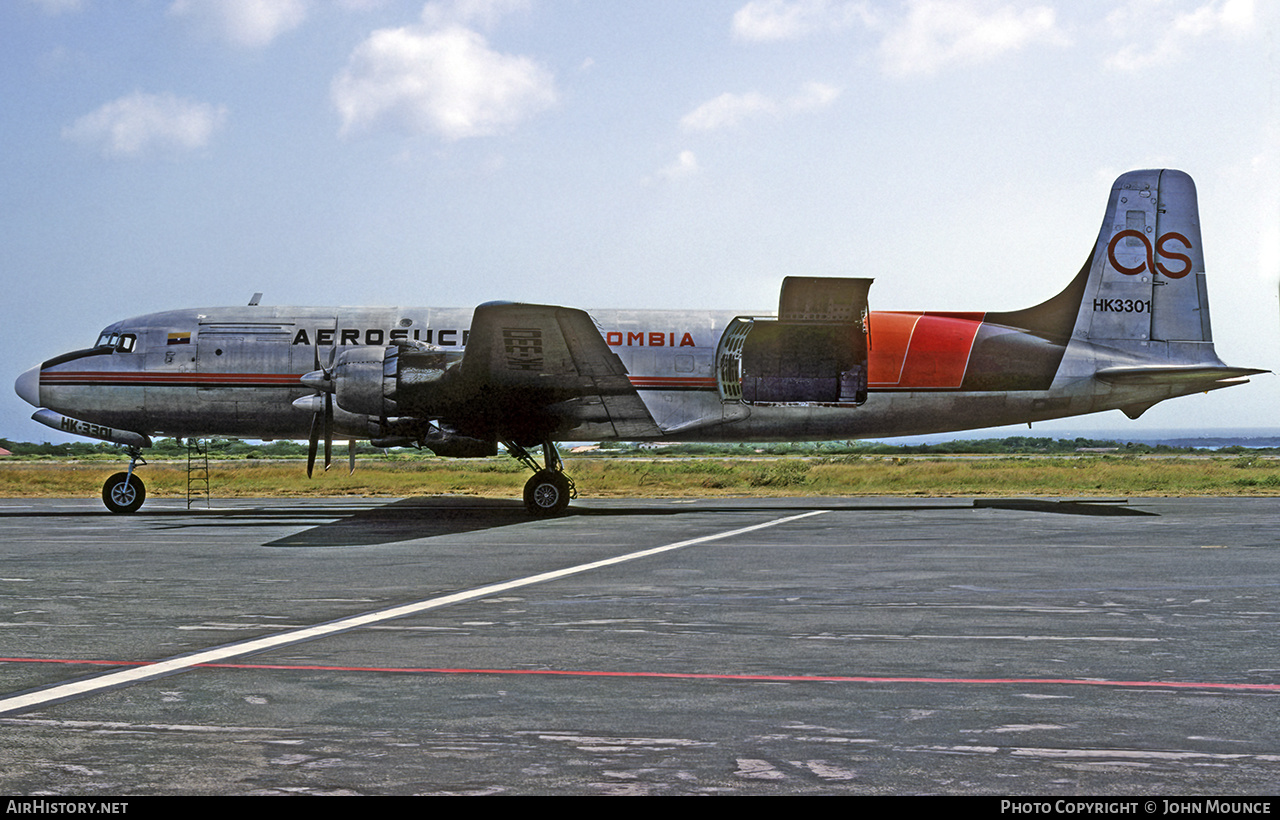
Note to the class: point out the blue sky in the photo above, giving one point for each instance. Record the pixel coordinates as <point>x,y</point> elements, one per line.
<point>600,153</point>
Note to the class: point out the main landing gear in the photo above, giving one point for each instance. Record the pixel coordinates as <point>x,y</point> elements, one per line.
<point>125,492</point>
<point>548,492</point>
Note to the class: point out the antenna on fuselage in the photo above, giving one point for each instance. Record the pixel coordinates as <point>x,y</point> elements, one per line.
<point>257,297</point>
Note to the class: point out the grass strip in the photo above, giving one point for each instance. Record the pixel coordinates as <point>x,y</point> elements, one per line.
<point>691,477</point>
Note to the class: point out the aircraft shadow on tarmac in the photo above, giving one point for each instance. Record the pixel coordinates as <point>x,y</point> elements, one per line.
<point>416,518</point>
<point>408,520</point>
<point>346,525</point>
<point>1112,508</point>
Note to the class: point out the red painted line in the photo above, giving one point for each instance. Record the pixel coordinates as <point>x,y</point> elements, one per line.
<point>141,379</point>
<point>660,382</point>
<point>1126,684</point>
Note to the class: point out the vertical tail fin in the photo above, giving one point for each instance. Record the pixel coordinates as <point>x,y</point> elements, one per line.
<point>1137,313</point>
<point>1146,283</point>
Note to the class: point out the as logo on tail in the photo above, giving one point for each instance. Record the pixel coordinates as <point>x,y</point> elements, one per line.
<point>1151,263</point>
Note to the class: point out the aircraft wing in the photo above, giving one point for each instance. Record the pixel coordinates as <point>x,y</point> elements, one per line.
<point>544,359</point>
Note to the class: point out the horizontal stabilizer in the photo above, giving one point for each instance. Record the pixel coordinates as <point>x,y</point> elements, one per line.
<point>1174,374</point>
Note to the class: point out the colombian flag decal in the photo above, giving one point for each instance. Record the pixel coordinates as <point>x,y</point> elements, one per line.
<point>180,338</point>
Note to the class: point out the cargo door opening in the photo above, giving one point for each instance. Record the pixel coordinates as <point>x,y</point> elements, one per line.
<point>815,352</point>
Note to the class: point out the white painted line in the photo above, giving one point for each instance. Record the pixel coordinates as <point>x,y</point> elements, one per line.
<point>183,663</point>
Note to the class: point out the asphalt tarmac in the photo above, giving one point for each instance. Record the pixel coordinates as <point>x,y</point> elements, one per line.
<point>747,646</point>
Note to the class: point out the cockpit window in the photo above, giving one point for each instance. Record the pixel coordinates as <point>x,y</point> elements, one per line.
<point>122,342</point>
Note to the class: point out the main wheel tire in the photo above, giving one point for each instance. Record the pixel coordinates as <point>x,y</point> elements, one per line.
<point>121,497</point>
<point>546,494</point>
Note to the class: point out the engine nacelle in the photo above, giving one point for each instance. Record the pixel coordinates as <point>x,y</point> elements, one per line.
<point>370,380</point>
<point>359,425</point>
<point>443,443</point>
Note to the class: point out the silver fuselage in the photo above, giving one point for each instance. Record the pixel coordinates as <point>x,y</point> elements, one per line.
<point>234,371</point>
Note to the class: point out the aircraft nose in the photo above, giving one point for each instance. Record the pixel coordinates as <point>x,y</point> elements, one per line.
<point>27,386</point>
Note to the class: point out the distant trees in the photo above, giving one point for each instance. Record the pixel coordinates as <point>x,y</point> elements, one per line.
<point>176,448</point>
<point>75,448</point>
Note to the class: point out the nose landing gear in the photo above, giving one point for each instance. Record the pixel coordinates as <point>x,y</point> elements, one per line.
<point>125,492</point>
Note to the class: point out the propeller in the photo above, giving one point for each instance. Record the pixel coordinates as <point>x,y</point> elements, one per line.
<point>320,406</point>
<point>321,379</point>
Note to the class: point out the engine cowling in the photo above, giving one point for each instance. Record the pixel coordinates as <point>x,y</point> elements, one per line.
<point>372,380</point>
<point>378,382</point>
<point>359,384</point>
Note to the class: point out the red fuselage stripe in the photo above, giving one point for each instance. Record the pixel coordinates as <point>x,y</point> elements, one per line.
<point>117,378</point>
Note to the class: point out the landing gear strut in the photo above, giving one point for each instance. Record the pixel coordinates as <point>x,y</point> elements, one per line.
<point>548,492</point>
<point>125,492</point>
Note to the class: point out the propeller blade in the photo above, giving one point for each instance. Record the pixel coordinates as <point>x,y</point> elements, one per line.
<point>312,442</point>
<point>351,456</point>
<point>328,431</point>
<point>320,379</point>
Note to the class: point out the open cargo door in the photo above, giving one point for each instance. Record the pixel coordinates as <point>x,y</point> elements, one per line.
<point>815,352</point>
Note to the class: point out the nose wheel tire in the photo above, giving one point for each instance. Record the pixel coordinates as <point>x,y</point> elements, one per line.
<point>123,493</point>
<point>546,494</point>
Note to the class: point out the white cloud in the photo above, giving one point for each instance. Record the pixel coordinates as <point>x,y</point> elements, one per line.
<point>770,20</point>
<point>141,123</point>
<point>726,110</point>
<point>685,165</point>
<point>813,96</point>
<point>1160,37</point>
<point>248,23</point>
<point>446,81</point>
<point>932,33</point>
<point>729,110</point>
<point>937,33</point>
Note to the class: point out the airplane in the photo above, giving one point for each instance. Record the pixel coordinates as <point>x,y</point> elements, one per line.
<point>1129,331</point>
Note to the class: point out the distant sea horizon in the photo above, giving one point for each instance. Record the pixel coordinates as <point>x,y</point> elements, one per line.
<point>1207,437</point>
